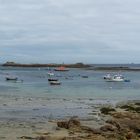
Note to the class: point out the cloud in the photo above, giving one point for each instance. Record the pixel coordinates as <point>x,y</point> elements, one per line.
<point>71,30</point>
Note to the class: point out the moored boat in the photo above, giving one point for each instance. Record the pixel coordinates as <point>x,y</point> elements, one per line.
<point>116,78</point>
<point>108,76</point>
<point>50,74</point>
<point>61,69</point>
<point>55,83</point>
<point>52,79</point>
<point>11,78</point>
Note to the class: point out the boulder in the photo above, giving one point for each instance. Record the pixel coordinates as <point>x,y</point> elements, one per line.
<point>90,130</point>
<point>62,124</point>
<point>107,128</point>
<point>72,123</point>
<point>114,123</point>
<point>107,110</point>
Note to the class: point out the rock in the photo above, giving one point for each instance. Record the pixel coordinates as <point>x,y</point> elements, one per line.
<point>138,103</point>
<point>134,125</point>
<point>72,123</point>
<point>130,135</point>
<point>107,128</point>
<point>114,123</point>
<point>122,115</point>
<point>71,138</point>
<point>42,138</point>
<point>50,138</point>
<point>26,137</point>
<point>90,130</point>
<point>62,124</point>
<point>137,109</point>
<point>131,107</point>
<point>126,121</point>
<point>107,110</point>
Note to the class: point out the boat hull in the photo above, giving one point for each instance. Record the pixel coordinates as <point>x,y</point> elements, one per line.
<point>52,79</point>
<point>60,70</point>
<point>55,83</point>
<point>11,79</point>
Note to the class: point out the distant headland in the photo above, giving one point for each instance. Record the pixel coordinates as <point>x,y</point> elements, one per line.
<point>95,67</point>
<point>76,65</point>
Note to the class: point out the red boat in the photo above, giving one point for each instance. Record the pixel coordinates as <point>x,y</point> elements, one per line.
<point>61,69</point>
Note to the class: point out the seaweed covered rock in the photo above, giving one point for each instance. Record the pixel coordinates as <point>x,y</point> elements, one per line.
<point>72,123</point>
<point>108,128</point>
<point>125,122</point>
<point>107,110</point>
<point>131,107</point>
<point>114,123</point>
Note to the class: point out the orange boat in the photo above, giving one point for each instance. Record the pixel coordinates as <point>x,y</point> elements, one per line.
<point>61,69</point>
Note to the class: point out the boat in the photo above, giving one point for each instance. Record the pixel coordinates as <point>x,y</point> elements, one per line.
<point>84,76</point>
<point>52,79</point>
<point>61,69</point>
<point>116,78</point>
<point>50,74</point>
<point>55,83</point>
<point>127,80</point>
<point>108,76</point>
<point>11,78</point>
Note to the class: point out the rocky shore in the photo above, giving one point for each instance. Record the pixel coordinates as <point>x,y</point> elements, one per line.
<point>120,123</point>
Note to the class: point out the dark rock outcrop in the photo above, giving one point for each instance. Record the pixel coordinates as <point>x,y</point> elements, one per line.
<point>108,128</point>
<point>107,110</point>
<point>72,123</point>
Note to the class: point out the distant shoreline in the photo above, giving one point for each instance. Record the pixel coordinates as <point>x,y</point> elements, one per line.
<point>76,65</point>
<point>115,69</point>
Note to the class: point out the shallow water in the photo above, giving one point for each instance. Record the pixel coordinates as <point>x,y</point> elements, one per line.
<point>36,98</point>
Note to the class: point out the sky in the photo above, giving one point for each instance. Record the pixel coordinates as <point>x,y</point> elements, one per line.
<point>70,31</point>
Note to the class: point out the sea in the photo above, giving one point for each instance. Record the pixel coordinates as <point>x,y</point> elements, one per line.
<point>32,96</point>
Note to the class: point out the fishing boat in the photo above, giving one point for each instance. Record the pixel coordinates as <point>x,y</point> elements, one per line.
<point>55,83</point>
<point>108,76</point>
<point>52,79</point>
<point>61,69</point>
<point>11,78</point>
<point>116,78</point>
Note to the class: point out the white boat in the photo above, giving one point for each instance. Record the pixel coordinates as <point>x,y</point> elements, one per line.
<point>108,76</point>
<point>50,74</point>
<point>116,78</point>
<point>11,78</point>
<point>55,83</point>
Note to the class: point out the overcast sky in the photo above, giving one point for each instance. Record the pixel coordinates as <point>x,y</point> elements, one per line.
<point>69,31</point>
